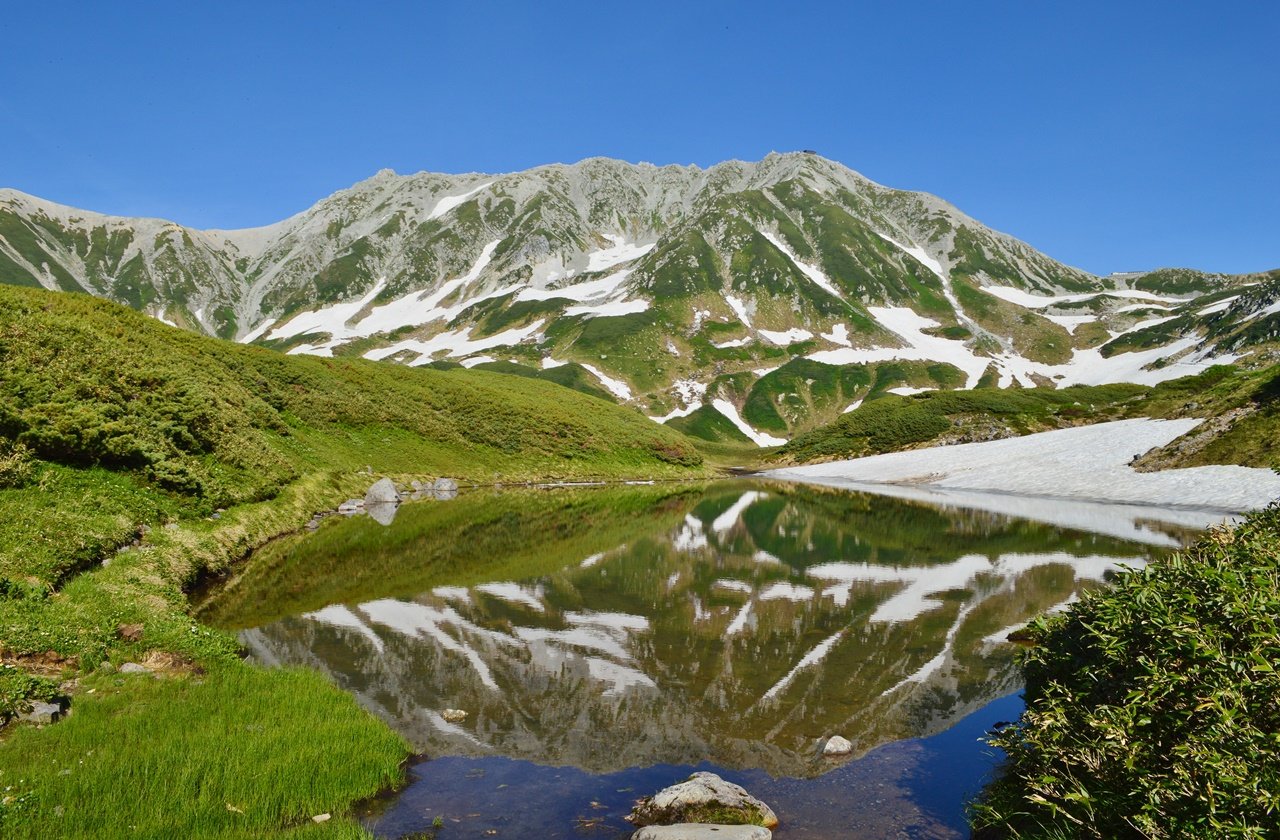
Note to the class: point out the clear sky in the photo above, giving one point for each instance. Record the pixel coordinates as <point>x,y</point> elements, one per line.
<point>1111,135</point>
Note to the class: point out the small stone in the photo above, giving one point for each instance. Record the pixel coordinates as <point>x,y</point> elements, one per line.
<point>130,632</point>
<point>444,485</point>
<point>351,506</point>
<point>134,668</point>
<point>837,745</point>
<point>453,715</point>
<point>702,831</point>
<point>106,667</point>
<point>171,526</point>
<point>216,516</point>
<point>319,818</point>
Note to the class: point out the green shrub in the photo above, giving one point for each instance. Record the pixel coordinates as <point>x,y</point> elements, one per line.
<point>16,465</point>
<point>1152,706</point>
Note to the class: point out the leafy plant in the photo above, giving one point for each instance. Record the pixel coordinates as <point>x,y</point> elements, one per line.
<point>1151,706</point>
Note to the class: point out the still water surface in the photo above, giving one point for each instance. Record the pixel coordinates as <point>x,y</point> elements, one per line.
<point>606,642</point>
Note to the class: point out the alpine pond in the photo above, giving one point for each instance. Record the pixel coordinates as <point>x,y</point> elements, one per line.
<point>604,642</point>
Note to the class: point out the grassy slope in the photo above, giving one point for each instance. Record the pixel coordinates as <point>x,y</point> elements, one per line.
<point>112,425</point>
<point>1244,407</point>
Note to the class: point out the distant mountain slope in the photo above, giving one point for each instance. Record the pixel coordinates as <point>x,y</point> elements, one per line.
<point>776,293</point>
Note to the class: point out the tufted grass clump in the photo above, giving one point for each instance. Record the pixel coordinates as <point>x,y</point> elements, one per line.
<point>1153,707</point>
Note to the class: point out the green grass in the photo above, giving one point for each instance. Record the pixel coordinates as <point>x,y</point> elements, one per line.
<point>708,424</point>
<point>237,752</point>
<point>1151,705</point>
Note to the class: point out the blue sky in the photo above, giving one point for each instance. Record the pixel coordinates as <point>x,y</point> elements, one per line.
<point>1111,135</point>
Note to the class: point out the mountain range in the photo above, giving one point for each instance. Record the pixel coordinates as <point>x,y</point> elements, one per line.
<point>747,301</point>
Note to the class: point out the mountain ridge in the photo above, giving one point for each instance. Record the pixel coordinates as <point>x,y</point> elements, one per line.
<point>678,288</point>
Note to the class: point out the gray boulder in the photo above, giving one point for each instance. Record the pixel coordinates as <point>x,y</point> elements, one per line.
<point>383,492</point>
<point>703,798</point>
<point>703,831</point>
<point>134,668</point>
<point>42,713</point>
<point>837,745</point>
<point>444,485</point>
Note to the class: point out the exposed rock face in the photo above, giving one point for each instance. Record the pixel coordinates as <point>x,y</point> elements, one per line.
<point>703,798</point>
<point>702,831</point>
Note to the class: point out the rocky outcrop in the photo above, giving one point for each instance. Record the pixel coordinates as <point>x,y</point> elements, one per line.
<point>702,798</point>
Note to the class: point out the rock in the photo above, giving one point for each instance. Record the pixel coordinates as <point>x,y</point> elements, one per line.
<point>42,713</point>
<point>837,745</point>
<point>106,667</point>
<point>382,492</point>
<point>319,818</point>
<point>415,485</point>
<point>384,513</point>
<point>171,526</point>
<point>444,489</point>
<point>134,668</point>
<point>130,632</point>
<point>703,831</point>
<point>351,506</point>
<point>454,715</point>
<point>703,797</point>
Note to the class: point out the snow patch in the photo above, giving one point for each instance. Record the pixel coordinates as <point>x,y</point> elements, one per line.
<point>730,411</point>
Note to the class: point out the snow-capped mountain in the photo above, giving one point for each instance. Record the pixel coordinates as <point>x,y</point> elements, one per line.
<point>757,298</point>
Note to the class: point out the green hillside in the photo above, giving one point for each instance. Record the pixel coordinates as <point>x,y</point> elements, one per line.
<point>137,459</point>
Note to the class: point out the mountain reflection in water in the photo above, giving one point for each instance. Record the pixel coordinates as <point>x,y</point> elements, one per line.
<point>735,623</point>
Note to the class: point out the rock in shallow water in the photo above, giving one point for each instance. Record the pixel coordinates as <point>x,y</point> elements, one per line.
<point>702,831</point>
<point>703,798</point>
<point>837,745</point>
<point>383,492</point>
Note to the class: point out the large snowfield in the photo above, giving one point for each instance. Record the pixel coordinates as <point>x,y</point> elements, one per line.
<point>1072,477</point>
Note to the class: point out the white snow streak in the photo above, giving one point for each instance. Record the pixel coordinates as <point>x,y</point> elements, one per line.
<point>729,410</point>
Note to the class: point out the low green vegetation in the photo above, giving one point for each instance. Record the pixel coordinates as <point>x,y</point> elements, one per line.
<point>135,461</point>
<point>893,422</point>
<point>1151,705</point>
<point>1243,407</point>
<point>236,752</point>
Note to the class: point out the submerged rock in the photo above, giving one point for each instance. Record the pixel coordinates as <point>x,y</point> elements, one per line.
<point>703,798</point>
<point>703,831</point>
<point>351,506</point>
<point>383,492</point>
<point>453,715</point>
<point>837,745</point>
